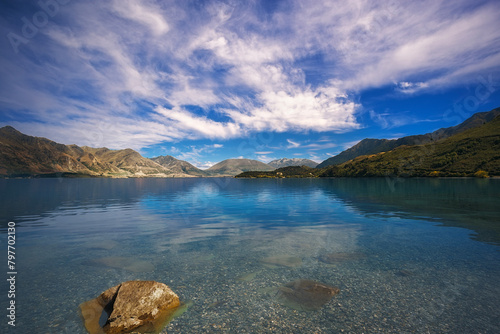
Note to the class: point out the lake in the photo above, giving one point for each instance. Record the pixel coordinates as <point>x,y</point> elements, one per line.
<point>408,255</point>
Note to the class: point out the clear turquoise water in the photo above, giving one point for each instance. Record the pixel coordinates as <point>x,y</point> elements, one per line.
<point>430,251</point>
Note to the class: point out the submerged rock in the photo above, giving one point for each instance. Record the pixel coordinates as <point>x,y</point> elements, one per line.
<point>248,277</point>
<point>305,295</point>
<point>283,260</point>
<point>334,258</point>
<point>404,273</point>
<point>138,306</point>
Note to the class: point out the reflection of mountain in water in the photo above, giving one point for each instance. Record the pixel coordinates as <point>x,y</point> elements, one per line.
<point>34,197</point>
<point>467,203</point>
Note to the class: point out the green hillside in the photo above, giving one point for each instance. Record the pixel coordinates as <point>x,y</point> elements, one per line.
<point>373,146</point>
<point>463,154</point>
<point>474,152</point>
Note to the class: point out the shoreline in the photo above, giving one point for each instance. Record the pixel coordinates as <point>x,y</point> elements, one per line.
<point>86,176</point>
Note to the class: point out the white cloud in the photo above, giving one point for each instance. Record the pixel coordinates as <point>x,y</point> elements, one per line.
<point>116,134</point>
<point>320,110</point>
<point>440,40</point>
<point>146,14</point>
<point>190,90</point>
<point>316,146</point>
<point>104,58</point>
<point>476,71</point>
<point>411,87</point>
<point>124,71</point>
<point>265,158</point>
<point>349,144</point>
<point>195,126</point>
<point>174,150</point>
<point>195,155</point>
<point>388,120</point>
<point>319,145</point>
<point>251,50</point>
<point>292,144</point>
<point>204,164</point>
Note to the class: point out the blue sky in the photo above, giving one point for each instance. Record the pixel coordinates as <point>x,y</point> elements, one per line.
<point>205,81</point>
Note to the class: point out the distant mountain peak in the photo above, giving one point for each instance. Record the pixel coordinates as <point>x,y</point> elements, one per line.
<point>286,162</point>
<point>178,166</point>
<point>231,167</point>
<point>164,158</point>
<point>9,130</point>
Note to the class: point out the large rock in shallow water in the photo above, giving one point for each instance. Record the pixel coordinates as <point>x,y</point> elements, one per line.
<point>133,306</point>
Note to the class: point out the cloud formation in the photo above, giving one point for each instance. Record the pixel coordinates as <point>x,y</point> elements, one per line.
<point>137,73</point>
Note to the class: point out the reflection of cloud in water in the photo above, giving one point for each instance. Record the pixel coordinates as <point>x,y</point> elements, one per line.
<point>224,227</point>
<point>202,232</point>
<point>199,193</point>
<point>227,219</point>
<point>304,241</point>
<point>264,197</point>
<point>269,237</point>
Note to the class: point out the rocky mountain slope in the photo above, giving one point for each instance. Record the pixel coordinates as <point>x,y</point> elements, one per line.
<point>373,146</point>
<point>474,152</point>
<point>178,166</point>
<point>23,155</point>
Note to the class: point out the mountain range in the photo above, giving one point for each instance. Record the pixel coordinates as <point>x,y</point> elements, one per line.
<point>285,162</point>
<point>25,156</point>
<point>471,152</point>
<point>373,146</point>
<point>22,155</point>
<point>231,167</point>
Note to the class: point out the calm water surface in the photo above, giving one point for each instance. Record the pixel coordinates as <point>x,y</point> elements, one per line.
<point>425,253</point>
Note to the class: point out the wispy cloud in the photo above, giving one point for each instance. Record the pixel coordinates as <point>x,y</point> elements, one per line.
<point>387,43</point>
<point>282,111</point>
<point>199,126</point>
<point>320,145</point>
<point>411,87</point>
<point>140,12</point>
<point>137,73</point>
<point>195,154</point>
<point>292,144</point>
<point>388,120</point>
<point>265,158</point>
<point>349,144</point>
<point>317,146</point>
